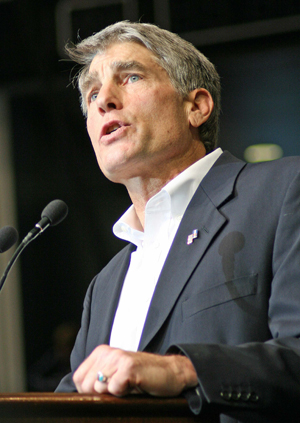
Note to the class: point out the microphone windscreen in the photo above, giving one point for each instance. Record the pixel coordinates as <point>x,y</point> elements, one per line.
<point>8,237</point>
<point>56,211</point>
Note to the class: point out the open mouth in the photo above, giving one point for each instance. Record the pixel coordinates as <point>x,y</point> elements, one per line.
<point>112,128</point>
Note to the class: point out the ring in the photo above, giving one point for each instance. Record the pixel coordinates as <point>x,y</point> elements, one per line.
<point>101,377</point>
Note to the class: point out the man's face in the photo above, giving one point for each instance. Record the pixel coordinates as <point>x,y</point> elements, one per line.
<point>137,122</point>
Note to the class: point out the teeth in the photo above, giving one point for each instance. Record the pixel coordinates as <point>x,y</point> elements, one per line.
<point>113,128</point>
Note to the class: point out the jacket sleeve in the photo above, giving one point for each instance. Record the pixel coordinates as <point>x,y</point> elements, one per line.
<point>79,351</point>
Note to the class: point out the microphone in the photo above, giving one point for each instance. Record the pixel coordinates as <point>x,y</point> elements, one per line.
<point>54,213</point>
<point>8,237</point>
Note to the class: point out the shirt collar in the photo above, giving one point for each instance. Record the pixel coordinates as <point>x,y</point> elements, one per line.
<point>180,190</point>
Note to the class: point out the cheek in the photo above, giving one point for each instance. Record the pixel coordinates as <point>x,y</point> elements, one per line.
<point>91,132</point>
<point>89,125</point>
<point>91,128</point>
<point>169,116</point>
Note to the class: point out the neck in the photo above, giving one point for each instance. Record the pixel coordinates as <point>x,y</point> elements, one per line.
<point>142,188</point>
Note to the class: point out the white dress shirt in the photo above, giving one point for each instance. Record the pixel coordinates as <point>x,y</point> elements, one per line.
<point>163,215</point>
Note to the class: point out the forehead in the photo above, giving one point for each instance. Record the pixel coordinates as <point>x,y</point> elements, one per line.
<point>122,56</point>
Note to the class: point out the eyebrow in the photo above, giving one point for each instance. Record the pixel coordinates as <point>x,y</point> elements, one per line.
<point>92,78</point>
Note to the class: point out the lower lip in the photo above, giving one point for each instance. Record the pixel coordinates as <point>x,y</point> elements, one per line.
<point>113,136</point>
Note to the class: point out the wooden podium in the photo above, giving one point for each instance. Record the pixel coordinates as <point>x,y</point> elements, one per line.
<point>77,408</point>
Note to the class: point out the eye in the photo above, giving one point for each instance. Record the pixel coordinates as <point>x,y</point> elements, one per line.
<point>92,96</point>
<point>133,78</point>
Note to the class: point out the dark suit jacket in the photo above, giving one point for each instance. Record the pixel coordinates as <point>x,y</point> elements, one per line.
<point>231,300</point>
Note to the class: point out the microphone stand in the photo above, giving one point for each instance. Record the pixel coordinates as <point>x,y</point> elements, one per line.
<point>53,213</point>
<point>35,232</point>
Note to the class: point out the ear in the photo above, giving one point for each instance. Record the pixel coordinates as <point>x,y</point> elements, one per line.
<point>201,106</point>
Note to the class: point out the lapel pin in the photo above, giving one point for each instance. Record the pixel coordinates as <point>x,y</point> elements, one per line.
<point>192,236</point>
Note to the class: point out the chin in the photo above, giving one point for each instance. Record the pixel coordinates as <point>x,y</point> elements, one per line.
<point>115,170</point>
<point>111,173</point>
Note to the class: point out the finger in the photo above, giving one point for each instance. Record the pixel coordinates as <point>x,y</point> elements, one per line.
<point>100,387</point>
<point>86,374</point>
<point>100,360</point>
<point>123,381</point>
<point>84,380</point>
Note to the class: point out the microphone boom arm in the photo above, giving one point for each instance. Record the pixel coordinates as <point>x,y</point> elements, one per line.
<point>53,214</point>
<point>34,233</point>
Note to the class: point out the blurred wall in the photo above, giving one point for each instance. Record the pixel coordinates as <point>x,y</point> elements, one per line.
<point>12,363</point>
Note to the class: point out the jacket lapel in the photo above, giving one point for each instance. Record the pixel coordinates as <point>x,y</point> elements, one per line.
<point>202,214</point>
<point>107,300</point>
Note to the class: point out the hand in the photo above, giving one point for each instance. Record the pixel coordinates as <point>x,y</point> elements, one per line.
<point>134,372</point>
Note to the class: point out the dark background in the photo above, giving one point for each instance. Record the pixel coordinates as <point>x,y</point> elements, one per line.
<point>52,155</point>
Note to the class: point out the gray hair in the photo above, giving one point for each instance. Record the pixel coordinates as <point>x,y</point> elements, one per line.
<point>187,68</point>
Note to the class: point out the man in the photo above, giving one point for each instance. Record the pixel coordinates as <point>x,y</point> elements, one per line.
<point>205,300</point>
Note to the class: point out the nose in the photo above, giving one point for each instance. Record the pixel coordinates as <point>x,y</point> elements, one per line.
<point>109,98</point>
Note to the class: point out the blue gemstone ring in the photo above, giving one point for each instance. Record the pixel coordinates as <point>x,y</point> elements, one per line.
<point>101,377</point>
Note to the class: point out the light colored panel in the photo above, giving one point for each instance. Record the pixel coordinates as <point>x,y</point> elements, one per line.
<point>12,368</point>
